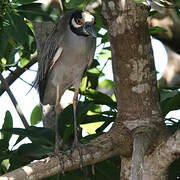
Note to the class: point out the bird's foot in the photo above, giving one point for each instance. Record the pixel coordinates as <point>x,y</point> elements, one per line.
<point>80,147</point>
<point>61,156</point>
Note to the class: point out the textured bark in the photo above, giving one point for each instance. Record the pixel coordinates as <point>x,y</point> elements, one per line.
<point>141,143</point>
<point>133,63</point>
<point>135,78</point>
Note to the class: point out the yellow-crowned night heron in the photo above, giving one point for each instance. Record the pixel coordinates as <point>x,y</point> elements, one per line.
<point>68,51</point>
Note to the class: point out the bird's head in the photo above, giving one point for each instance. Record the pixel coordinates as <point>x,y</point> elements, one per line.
<point>82,23</point>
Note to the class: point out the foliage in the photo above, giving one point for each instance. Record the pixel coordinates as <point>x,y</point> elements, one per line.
<point>97,109</point>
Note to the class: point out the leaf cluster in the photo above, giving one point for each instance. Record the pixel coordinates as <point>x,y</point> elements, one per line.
<point>16,31</point>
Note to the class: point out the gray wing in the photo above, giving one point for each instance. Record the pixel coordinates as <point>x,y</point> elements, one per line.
<point>49,54</point>
<point>92,52</point>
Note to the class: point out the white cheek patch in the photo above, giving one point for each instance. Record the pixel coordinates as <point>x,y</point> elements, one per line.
<point>87,17</point>
<point>74,24</point>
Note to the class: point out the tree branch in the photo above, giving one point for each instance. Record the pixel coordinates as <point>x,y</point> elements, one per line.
<point>116,141</point>
<point>156,164</point>
<point>140,145</point>
<point>101,148</point>
<point>15,103</point>
<point>18,72</point>
<point>166,152</point>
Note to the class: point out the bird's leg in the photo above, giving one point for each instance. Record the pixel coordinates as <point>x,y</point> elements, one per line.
<point>75,102</point>
<point>58,138</point>
<point>57,110</point>
<point>76,141</point>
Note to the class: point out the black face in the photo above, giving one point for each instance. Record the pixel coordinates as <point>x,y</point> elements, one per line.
<point>79,22</point>
<point>77,15</point>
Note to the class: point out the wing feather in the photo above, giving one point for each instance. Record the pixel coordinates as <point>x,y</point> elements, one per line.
<point>50,53</point>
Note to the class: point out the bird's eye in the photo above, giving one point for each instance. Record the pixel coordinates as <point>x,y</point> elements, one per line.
<point>79,21</point>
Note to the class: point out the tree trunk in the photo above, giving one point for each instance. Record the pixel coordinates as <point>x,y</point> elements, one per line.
<point>135,82</point>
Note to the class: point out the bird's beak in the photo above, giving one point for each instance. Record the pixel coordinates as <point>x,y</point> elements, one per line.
<point>90,28</point>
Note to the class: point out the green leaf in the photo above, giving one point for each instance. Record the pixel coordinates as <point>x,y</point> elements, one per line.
<point>166,93</point>
<point>108,169</point>
<point>99,23</point>
<point>96,109</point>
<point>10,54</point>
<point>170,104</point>
<point>74,4</point>
<point>36,115</point>
<point>30,45</point>
<point>96,118</point>
<point>4,144</point>
<point>99,98</point>
<point>93,74</point>
<point>107,84</point>
<point>84,83</point>
<point>157,29</point>
<point>94,64</point>
<point>175,126</point>
<point>3,43</point>
<point>23,1</point>
<point>94,70</point>
<point>105,38</point>
<point>17,161</point>
<point>177,3</point>
<point>34,151</point>
<point>38,12</point>
<point>153,12</point>
<point>15,27</point>
<point>39,135</point>
<point>5,166</point>
<point>139,1</point>
<point>105,54</point>
<point>8,123</point>
<point>173,170</point>
<point>114,97</point>
<point>66,118</point>
<point>23,62</point>
<point>7,53</point>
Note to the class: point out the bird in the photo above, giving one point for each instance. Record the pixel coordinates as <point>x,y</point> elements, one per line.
<point>66,54</point>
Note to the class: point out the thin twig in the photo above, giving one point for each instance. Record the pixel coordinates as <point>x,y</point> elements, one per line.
<point>20,78</point>
<point>15,103</point>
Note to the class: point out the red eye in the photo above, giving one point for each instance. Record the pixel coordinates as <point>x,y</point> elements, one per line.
<point>79,21</point>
